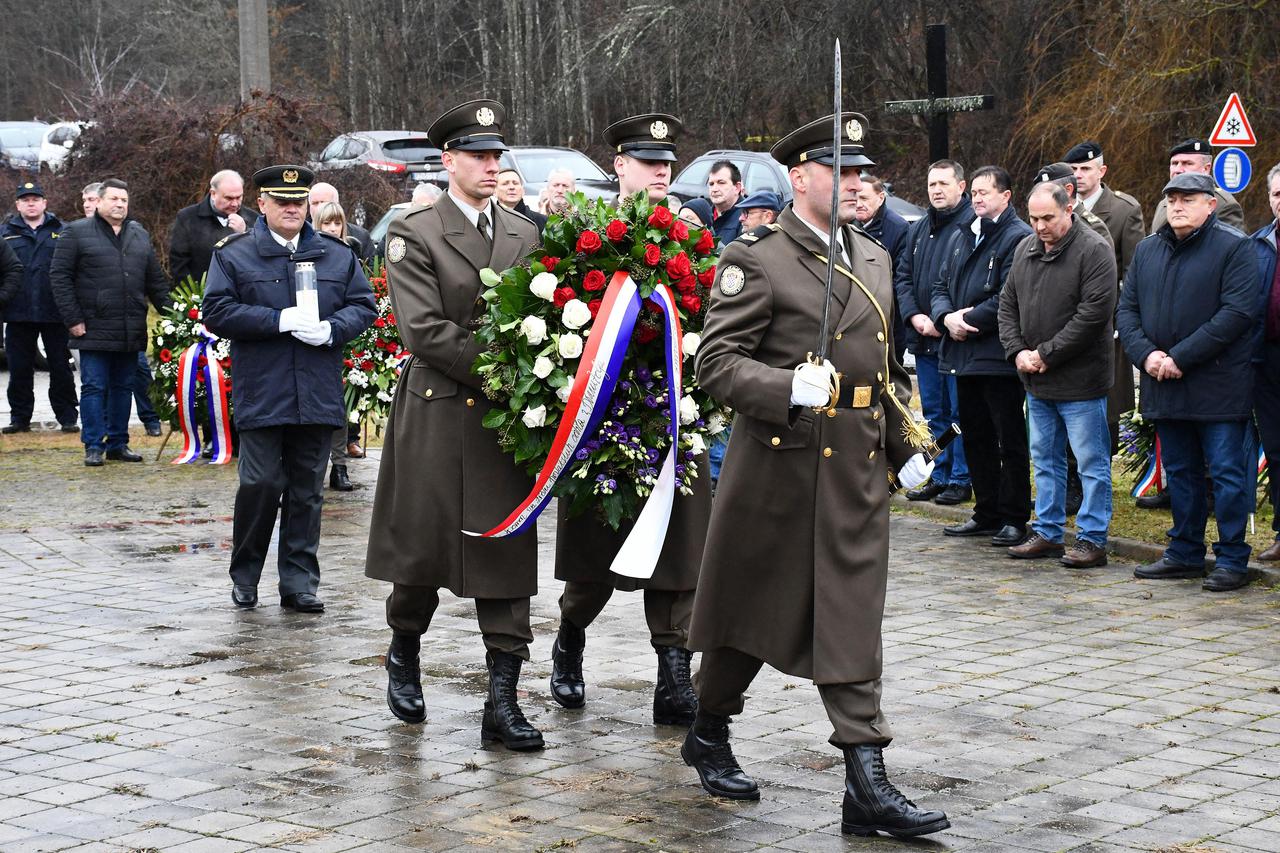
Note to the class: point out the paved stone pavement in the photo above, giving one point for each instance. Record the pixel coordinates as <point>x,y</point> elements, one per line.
<point>1044,709</point>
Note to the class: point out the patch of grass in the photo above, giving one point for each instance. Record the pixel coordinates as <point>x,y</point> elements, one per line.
<point>109,738</point>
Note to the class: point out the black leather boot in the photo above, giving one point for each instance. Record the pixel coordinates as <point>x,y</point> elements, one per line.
<point>872,804</point>
<point>338,479</point>
<point>503,719</point>
<point>674,702</point>
<point>567,685</point>
<point>404,678</point>
<point>706,749</point>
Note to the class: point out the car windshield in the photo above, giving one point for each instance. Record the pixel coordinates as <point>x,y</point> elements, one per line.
<point>411,150</point>
<point>22,137</point>
<point>536,165</point>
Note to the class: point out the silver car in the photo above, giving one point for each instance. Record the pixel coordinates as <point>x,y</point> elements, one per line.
<point>20,143</point>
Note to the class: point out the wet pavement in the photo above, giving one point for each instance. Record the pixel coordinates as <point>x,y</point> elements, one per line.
<point>1044,709</point>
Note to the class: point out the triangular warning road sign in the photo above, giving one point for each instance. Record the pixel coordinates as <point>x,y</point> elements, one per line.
<point>1233,126</point>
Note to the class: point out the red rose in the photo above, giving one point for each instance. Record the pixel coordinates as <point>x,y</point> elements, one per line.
<point>391,318</point>
<point>563,295</point>
<point>593,281</point>
<point>705,243</point>
<point>661,217</point>
<point>379,323</point>
<point>166,356</point>
<point>194,313</point>
<point>393,347</point>
<point>366,365</point>
<point>691,302</point>
<point>678,231</point>
<point>687,284</point>
<point>225,362</point>
<point>594,305</point>
<point>616,230</point>
<point>708,276</point>
<point>550,263</point>
<point>652,254</point>
<point>348,362</point>
<point>200,376</point>
<point>652,306</point>
<point>644,334</point>
<point>202,361</point>
<point>589,242</point>
<point>679,266</point>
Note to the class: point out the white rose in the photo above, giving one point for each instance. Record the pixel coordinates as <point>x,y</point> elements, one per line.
<point>690,343</point>
<point>688,410</point>
<point>544,286</point>
<point>697,445</point>
<point>159,341</point>
<point>562,393</point>
<point>542,367</point>
<point>535,329</point>
<point>576,314</point>
<point>354,417</point>
<point>535,417</point>
<point>715,424</point>
<point>570,346</point>
<point>168,328</point>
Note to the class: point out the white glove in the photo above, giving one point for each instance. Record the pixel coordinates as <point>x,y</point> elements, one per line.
<point>292,319</point>
<point>811,384</point>
<point>915,472</point>
<point>315,334</point>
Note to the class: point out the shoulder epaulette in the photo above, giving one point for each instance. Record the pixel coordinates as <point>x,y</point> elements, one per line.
<point>758,232</point>
<point>227,239</point>
<point>1126,197</point>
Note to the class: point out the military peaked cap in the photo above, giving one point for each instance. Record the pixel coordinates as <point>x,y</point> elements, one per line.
<point>473,126</point>
<point>284,182</point>
<point>813,143</point>
<point>651,136</point>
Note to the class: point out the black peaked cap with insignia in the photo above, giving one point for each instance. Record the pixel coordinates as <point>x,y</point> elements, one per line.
<point>1083,153</point>
<point>473,126</point>
<point>27,188</point>
<point>813,142</point>
<point>651,136</point>
<point>286,182</point>
<point>1190,146</point>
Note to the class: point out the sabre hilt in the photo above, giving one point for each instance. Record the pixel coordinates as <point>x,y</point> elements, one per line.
<point>931,452</point>
<point>818,360</point>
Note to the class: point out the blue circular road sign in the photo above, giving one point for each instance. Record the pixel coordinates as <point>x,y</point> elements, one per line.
<point>1232,169</point>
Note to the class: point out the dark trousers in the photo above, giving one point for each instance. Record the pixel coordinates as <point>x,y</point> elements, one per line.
<point>853,707</point>
<point>995,443</point>
<point>667,611</point>
<point>106,392</point>
<point>20,346</point>
<point>141,396</point>
<point>275,462</point>
<point>504,622</point>
<point>1187,447</point>
<point>1266,408</point>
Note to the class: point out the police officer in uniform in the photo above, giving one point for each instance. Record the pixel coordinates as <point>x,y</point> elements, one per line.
<point>442,471</point>
<point>288,378</point>
<point>645,148</point>
<point>802,588</point>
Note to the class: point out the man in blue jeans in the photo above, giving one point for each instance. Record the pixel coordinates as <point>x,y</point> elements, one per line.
<point>1056,327</point>
<point>1188,314</point>
<point>913,277</point>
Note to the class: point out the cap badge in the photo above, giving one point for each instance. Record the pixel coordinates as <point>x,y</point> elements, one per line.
<point>484,116</point>
<point>854,129</point>
<point>28,186</point>
<point>1197,146</point>
<point>290,176</point>
<point>1089,153</point>
<point>1044,176</point>
<point>732,278</point>
<point>659,130</point>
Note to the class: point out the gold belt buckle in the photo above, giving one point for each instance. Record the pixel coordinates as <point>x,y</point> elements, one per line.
<point>861,397</point>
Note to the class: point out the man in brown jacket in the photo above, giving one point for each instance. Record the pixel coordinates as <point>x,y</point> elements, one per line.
<point>796,563</point>
<point>1057,314</point>
<point>645,147</point>
<point>442,472</point>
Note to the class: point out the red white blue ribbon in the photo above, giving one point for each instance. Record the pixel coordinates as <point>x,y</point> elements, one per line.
<point>1153,477</point>
<point>189,371</point>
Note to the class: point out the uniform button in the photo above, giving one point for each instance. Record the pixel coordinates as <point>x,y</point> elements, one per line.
<point>880,337</point>
<point>428,393</point>
<point>839,336</point>
<point>831,413</point>
<point>775,441</point>
<point>875,416</point>
<point>826,451</point>
<point>470,402</point>
<point>879,376</point>
<point>871,455</point>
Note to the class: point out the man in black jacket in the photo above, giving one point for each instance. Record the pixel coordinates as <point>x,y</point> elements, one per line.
<point>32,316</point>
<point>966,301</point>
<point>103,273</point>
<point>199,227</point>
<point>890,229</point>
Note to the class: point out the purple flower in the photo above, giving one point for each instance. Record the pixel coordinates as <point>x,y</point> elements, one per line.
<point>651,401</point>
<point>643,374</point>
<point>624,385</point>
<point>651,455</point>
<point>679,472</point>
<point>582,455</point>
<point>688,456</point>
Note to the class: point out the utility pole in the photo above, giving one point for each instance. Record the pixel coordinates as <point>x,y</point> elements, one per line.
<point>255,38</point>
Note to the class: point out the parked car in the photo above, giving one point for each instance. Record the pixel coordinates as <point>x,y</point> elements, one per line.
<point>759,172</point>
<point>378,232</point>
<point>20,143</point>
<point>58,141</point>
<point>534,163</point>
<point>408,154</point>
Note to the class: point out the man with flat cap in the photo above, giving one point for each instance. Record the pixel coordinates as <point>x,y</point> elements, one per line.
<point>759,208</point>
<point>442,472</point>
<point>288,378</point>
<point>645,148</point>
<point>1195,155</point>
<point>803,589</point>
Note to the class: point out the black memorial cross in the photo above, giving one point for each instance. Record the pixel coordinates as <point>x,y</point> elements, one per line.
<point>938,106</point>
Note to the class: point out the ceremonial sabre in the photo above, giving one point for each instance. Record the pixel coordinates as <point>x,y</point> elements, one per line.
<point>931,452</point>
<point>833,234</point>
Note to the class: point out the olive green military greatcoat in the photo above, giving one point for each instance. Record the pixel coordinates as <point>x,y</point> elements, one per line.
<point>442,471</point>
<point>796,562</point>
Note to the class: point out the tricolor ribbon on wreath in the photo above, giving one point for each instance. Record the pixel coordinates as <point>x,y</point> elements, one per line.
<point>1153,477</point>
<point>190,373</point>
<point>593,386</point>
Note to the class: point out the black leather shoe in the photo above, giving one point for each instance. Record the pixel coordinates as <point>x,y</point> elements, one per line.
<point>1160,500</point>
<point>674,702</point>
<point>972,528</point>
<point>244,596</point>
<point>1010,535</point>
<point>503,719</point>
<point>12,428</point>
<point>1163,570</point>
<point>93,458</point>
<point>872,804</point>
<point>1225,580</point>
<point>124,454</point>
<point>302,602</point>
<point>953,494</point>
<point>338,479</point>
<point>926,491</point>
<point>567,685</point>
<point>69,428</point>
<point>404,678</point>
<point>153,430</point>
<point>706,749</point>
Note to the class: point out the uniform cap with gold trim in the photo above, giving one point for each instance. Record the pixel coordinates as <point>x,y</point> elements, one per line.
<point>651,136</point>
<point>28,188</point>
<point>473,126</point>
<point>286,181</point>
<point>812,142</point>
